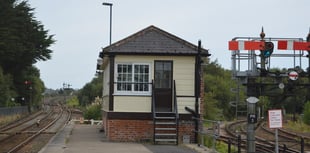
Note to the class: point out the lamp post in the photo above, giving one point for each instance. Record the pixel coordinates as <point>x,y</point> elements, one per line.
<point>109,4</point>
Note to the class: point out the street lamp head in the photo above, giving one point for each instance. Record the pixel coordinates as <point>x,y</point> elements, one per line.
<point>108,4</point>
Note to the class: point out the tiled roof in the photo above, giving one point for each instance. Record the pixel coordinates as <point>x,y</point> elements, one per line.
<point>153,41</point>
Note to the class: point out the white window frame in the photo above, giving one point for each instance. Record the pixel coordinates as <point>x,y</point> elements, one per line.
<point>132,91</point>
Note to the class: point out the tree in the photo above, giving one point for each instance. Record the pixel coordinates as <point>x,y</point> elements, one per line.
<point>212,111</point>
<point>90,91</point>
<point>217,90</point>
<point>292,97</point>
<point>23,42</point>
<point>8,95</point>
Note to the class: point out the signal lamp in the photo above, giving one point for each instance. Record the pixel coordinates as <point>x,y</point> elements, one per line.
<point>268,49</point>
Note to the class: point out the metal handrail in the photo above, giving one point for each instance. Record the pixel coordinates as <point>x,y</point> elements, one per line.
<point>153,100</point>
<point>175,100</point>
<point>176,110</point>
<point>153,110</point>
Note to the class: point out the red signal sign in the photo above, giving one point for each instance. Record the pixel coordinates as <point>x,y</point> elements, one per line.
<point>293,75</point>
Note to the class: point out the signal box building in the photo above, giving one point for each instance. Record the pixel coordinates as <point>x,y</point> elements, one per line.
<point>150,78</point>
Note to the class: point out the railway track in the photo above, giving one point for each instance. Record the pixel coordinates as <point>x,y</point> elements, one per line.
<point>289,139</point>
<point>264,143</point>
<point>25,123</point>
<point>21,135</point>
<point>236,135</point>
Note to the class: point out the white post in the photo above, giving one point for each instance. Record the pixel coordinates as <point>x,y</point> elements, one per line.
<point>92,121</point>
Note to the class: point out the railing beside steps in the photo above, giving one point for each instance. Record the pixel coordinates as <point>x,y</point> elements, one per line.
<point>166,124</point>
<point>153,110</point>
<point>175,102</point>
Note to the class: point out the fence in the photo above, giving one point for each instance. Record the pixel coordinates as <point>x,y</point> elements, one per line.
<point>213,130</point>
<point>239,144</point>
<point>7,111</point>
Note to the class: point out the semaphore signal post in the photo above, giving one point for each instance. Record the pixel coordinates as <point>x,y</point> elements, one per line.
<point>253,66</point>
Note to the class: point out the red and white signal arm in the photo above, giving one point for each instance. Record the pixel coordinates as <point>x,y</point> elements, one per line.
<point>259,45</point>
<point>275,118</point>
<point>246,45</point>
<point>293,45</point>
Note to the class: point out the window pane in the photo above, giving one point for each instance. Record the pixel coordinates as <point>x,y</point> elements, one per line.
<point>141,77</point>
<point>146,78</point>
<point>124,77</point>
<point>163,74</point>
<point>147,70</point>
<point>119,68</point>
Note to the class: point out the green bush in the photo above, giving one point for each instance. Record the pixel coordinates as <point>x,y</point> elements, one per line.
<point>73,102</point>
<point>306,117</point>
<point>93,112</point>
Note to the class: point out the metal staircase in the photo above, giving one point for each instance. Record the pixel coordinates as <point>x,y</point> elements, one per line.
<point>165,128</point>
<point>166,124</point>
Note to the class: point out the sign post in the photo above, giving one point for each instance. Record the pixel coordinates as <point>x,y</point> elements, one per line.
<point>275,121</point>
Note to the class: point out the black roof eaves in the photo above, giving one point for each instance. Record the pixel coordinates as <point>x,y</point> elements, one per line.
<point>205,54</point>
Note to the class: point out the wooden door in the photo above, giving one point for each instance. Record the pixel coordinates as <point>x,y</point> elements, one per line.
<point>163,86</point>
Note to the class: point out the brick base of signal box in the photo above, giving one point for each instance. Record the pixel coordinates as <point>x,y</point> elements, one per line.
<point>122,130</point>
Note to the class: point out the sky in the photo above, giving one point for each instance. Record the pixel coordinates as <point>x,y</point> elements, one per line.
<point>82,28</point>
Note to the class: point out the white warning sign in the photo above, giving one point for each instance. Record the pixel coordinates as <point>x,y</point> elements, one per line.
<point>275,118</point>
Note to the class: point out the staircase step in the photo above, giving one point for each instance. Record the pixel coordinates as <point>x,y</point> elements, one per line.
<point>166,140</point>
<point>165,134</point>
<point>165,123</point>
<point>165,129</point>
<point>165,112</point>
<point>165,118</point>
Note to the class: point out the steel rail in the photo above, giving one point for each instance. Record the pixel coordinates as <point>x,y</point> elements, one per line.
<point>25,142</point>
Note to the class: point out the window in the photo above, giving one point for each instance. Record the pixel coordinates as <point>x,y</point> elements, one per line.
<point>133,78</point>
<point>163,74</point>
<point>124,77</point>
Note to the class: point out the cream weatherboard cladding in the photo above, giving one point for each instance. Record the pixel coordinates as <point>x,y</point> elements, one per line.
<point>183,74</point>
<point>106,83</point>
<point>132,104</point>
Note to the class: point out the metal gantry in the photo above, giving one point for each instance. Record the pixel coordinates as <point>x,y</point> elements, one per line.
<point>254,66</point>
<point>249,64</point>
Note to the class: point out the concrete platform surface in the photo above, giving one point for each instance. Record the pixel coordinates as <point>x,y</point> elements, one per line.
<point>77,138</point>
